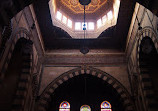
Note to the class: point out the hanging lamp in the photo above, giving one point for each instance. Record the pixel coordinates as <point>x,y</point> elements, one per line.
<point>84,49</point>
<point>84,2</point>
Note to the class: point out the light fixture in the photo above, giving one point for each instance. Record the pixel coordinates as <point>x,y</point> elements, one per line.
<point>84,2</point>
<point>84,49</point>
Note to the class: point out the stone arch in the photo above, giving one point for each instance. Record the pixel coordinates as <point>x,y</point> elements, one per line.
<point>5,58</point>
<point>144,77</point>
<point>24,40</point>
<point>146,32</point>
<point>45,96</point>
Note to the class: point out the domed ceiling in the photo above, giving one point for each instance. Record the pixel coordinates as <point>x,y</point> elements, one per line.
<point>55,38</point>
<point>102,14</point>
<point>76,7</point>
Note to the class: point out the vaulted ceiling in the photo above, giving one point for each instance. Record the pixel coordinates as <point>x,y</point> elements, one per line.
<point>112,38</point>
<point>76,7</point>
<point>56,38</point>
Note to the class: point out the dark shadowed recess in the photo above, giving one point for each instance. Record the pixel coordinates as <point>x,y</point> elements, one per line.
<point>85,89</point>
<point>148,60</point>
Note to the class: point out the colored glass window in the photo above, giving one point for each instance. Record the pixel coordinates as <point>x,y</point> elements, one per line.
<point>64,106</point>
<point>105,106</point>
<point>85,108</point>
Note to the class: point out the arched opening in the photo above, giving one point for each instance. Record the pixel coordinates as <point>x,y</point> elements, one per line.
<point>85,89</point>
<point>148,63</point>
<point>148,58</point>
<point>85,108</point>
<point>105,106</point>
<point>12,77</point>
<point>64,106</point>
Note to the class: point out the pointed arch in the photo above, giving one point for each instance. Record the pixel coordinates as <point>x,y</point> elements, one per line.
<point>64,106</point>
<point>5,58</point>
<point>85,108</point>
<point>146,36</point>
<point>21,40</point>
<point>105,106</point>
<point>121,90</point>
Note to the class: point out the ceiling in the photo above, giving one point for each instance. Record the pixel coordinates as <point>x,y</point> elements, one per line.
<point>76,7</point>
<point>94,10</point>
<point>56,38</point>
<point>9,8</point>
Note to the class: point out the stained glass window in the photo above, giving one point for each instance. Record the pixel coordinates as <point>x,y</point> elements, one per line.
<point>64,106</point>
<point>105,106</point>
<point>85,108</point>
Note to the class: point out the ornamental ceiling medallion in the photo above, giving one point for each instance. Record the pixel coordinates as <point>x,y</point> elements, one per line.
<point>76,7</point>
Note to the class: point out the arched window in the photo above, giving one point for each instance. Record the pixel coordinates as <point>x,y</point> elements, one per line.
<point>105,106</point>
<point>64,106</point>
<point>85,108</point>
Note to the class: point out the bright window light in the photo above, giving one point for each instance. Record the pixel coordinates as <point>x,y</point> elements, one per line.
<point>118,2</point>
<point>83,25</point>
<point>64,20</point>
<point>110,16</point>
<point>69,24</point>
<point>99,23</point>
<point>104,19</point>
<point>78,26</point>
<point>91,25</point>
<point>59,15</point>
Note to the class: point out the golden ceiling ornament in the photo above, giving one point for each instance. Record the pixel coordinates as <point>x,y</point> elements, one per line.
<point>76,7</point>
<point>74,2</point>
<point>94,2</point>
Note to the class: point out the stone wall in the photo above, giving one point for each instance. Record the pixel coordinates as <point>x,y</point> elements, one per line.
<point>27,84</point>
<point>143,24</point>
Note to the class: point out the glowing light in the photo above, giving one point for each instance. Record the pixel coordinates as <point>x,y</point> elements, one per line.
<point>91,25</point>
<point>64,20</point>
<point>64,109</point>
<point>59,15</point>
<point>117,2</point>
<point>64,106</point>
<point>110,16</point>
<point>99,23</point>
<point>69,24</point>
<point>104,19</point>
<point>78,26</point>
<point>54,6</point>
<point>116,8</point>
<point>85,108</point>
<point>105,106</point>
<point>106,110</point>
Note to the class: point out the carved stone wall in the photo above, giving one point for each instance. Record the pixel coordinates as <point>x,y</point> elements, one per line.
<point>45,97</point>
<point>143,25</point>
